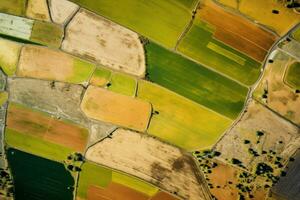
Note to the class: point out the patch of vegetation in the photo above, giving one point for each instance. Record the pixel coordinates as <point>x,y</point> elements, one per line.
<point>292,76</point>
<point>14,7</point>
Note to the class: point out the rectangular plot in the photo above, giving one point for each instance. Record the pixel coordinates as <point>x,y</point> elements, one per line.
<point>14,7</point>
<point>123,84</point>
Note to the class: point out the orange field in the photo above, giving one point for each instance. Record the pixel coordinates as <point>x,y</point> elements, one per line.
<point>163,196</point>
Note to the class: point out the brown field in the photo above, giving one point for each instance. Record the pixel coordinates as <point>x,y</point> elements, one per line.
<point>163,196</point>
<point>38,9</point>
<point>38,124</point>
<point>237,32</point>
<point>103,105</point>
<point>114,191</point>
<point>62,11</point>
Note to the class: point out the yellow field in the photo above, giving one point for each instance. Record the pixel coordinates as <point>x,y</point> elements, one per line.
<point>180,121</point>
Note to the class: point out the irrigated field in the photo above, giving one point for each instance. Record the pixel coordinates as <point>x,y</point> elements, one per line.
<point>38,178</point>
<point>194,81</point>
<point>14,7</point>
<point>292,76</point>
<point>123,84</point>
<point>43,63</point>
<point>162,22</point>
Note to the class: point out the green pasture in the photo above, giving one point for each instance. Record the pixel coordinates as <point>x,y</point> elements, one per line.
<point>13,7</point>
<point>296,34</point>
<point>293,75</point>
<point>123,84</point>
<point>194,81</point>
<point>162,21</point>
<point>181,121</point>
<point>200,45</point>
<point>101,77</point>
<point>82,71</point>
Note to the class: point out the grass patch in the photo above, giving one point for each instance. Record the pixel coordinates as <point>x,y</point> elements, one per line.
<point>223,59</point>
<point>296,34</point>
<point>162,21</point>
<point>14,7</point>
<point>92,174</point>
<point>101,77</point>
<point>180,121</point>
<point>194,81</point>
<point>48,34</point>
<point>293,75</point>
<point>82,71</point>
<point>123,84</point>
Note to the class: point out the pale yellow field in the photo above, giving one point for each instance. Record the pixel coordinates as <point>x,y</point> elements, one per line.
<point>38,9</point>
<point>62,11</point>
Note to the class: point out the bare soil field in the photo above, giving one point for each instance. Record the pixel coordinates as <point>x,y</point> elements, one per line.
<point>274,93</point>
<point>101,104</point>
<point>101,40</point>
<point>243,35</point>
<point>277,134</point>
<point>62,10</point>
<point>38,9</point>
<point>154,161</point>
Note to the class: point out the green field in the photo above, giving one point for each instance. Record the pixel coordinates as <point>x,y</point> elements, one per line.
<point>123,84</point>
<point>38,178</point>
<point>194,81</point>
<point>296,34</point>
<point>162,21</point>
<point>180,121</point>
<point>14,7</point>
<point>293,75</point>
<point>101,77</point>
<point>200,45</point>
<point>82,71</point>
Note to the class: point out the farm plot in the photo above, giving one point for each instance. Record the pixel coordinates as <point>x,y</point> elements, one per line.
<point>123,84</point>
<point>236,31</point>
<point>101,77</point>
<point>154,161</point>
<point>296,34</point>
<point>194,81</point>
<point>107,106</point>
<point>38,9</point>
<point>111,45</point>
<point>273,92</point>
<point>200,45</point>
<point>36,132</point>
<point>9,55</point>
<point>139,16</point>
<point>261,12</point>
<point>62,11</point>
<point>14,7</point>
<point>259,130</point>
<point>180,121</point>
<point>293,75</point>
<point>44,63</point>
<point>38,178</point>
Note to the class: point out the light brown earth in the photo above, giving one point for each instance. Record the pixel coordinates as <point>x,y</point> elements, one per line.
<point>237,31</point>
<point>38,124</point>
<point>62,10</point>
<point>151,160</point>
<point>281,98</point>
<point>101,104</point>
<point>163,196</point>
<point>101,40</point>
<point>38,9</point>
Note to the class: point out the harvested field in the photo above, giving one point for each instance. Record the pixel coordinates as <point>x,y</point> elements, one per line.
<point>14,7</point>
<point>195,81</point>
<point>292,77</point>
<point>261,12</point>
<point>9,55</point>
<point>103,105</point>
<point>244,35</point>
<point>111,45</point>
<point>180,121</point>
<point>291,47</point>
<point>123,84</point>
<point>38,9</point>
<point>277,134</point>
<point>196,45</point>
<point>62,10</point>
<point>156,162</point>
<point>274,93</point>
<point>43,63</point>
<point>101,77</point>
<point>138,16</point>
<point>38,178</point>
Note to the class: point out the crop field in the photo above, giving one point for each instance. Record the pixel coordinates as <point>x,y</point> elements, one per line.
<point>110,44</point>
<point>62,11</point>
<point>101,77</point>
<point>138,16</point>
<point>123,84</point>
<point>107,106</point>
<point>292,76</point>
<point>181,121</point>
<point>9,55</point>
<point>256,10</point>
<point>39,178</point>
<point>35,132</point>
<point>224,59</point>
<point>296,34</point>
<point>194,81</point>
<point>38,9</point>
<point>14,7</point>
<point>43,63</point>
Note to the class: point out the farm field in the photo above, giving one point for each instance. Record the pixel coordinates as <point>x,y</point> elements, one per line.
<point>292,75</point>
<point>111,107</point>
<point>261,11</point>
<point>123,84</point>
<point>138,16</point>
<point>43,63</point>
<point>37,133</point>
<point>101,77</point>
<point>296,34</point>
<point>154,161</point>
<point>14,7</point>
<point>38,9</point>
<point>62,11</point>
<point>97,39</point>
<point>274,93</point>
<point>199,44</point>
<point>39,178</point>
<point>9,55</point>
<point>195,82</point>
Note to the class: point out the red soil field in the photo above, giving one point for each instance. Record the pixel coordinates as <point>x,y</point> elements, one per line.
<point>163,196</point>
